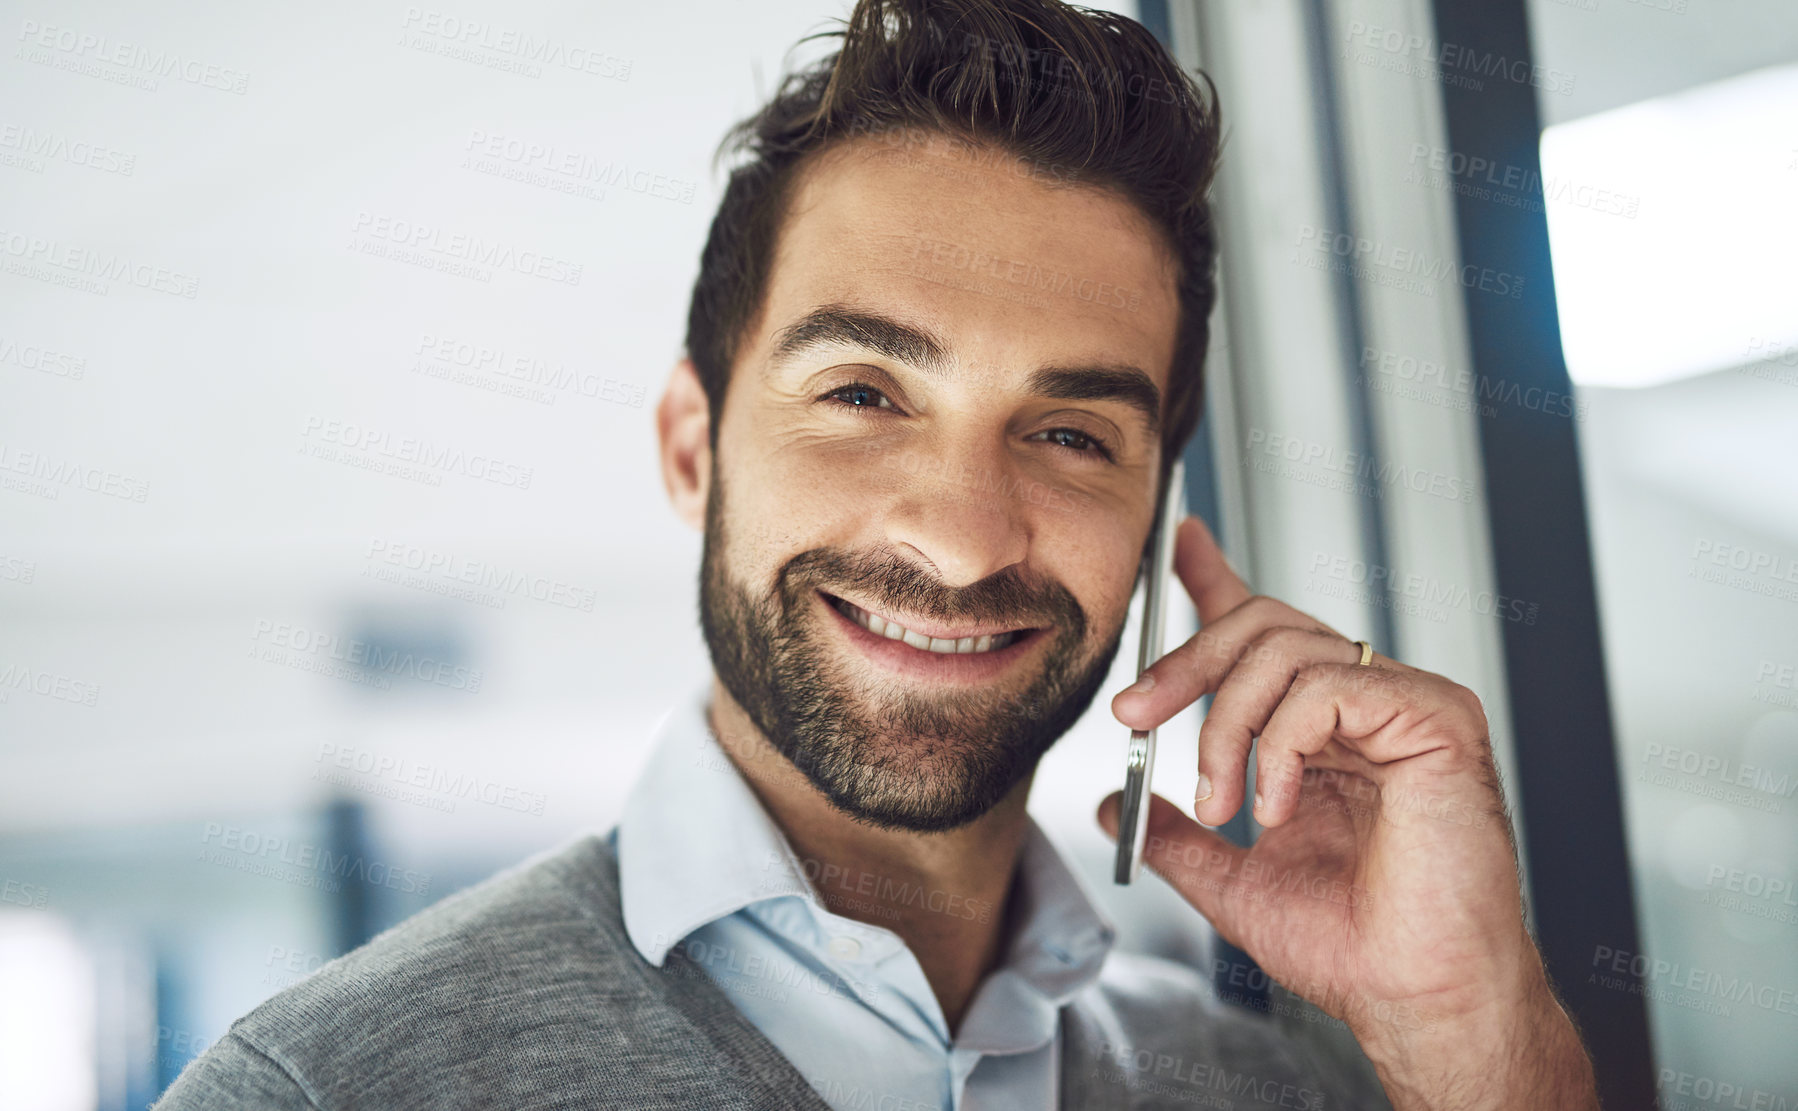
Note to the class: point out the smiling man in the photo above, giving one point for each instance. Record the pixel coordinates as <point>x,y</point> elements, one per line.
<point>946,341</point>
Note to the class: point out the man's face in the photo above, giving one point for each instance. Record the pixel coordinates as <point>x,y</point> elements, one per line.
<point>935,473</point>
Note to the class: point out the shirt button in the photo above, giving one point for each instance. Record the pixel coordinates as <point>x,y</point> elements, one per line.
<point>845,947</point>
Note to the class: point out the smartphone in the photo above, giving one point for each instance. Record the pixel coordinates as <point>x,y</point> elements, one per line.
<point>1139,758</point>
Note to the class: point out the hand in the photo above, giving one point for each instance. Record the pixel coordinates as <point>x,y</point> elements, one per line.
<point>1384,887</point>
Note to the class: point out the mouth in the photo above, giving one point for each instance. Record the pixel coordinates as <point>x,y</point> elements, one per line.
<point>944,642</point>
<point>933,649</point>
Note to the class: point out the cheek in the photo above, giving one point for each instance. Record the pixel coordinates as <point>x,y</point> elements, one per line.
<point>788,498</point>
<point>828,487</point>
<point>1117,612</point>
<point>1100,568</point>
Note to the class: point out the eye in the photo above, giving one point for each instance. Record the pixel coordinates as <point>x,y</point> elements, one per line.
<point>858,395</point>
<point>1076,441</point>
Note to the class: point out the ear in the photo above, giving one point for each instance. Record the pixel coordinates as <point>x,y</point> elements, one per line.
<point>684,429</point>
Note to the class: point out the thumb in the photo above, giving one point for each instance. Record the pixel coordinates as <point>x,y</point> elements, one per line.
<point>1204,867</point>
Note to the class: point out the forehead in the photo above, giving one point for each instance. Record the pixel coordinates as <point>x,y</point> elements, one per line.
<point>1010,268</point>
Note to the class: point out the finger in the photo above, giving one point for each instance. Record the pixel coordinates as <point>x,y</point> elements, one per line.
<point>1198,666</point>
<point>1380,715</point>
<point>1280,771</point>
<point>1108,813</point>
<point>1202,866</point>
<point>1215,589</point>
<point>1246,699</point>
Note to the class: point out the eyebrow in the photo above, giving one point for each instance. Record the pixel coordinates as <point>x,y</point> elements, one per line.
<point>841,326</point>
<point>1125,384</point>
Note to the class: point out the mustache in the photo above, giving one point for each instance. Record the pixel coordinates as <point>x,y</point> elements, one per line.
<point>885,579</point>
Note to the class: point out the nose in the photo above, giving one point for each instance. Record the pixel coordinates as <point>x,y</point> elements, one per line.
<point>967,521</point>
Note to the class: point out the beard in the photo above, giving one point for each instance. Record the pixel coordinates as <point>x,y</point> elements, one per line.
<point>886,752</point>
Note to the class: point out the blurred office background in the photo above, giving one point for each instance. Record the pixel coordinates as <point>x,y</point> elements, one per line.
<point>1535,262</point>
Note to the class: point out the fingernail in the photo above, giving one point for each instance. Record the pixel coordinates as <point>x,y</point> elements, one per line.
<point>1257,802</point>
<point>1204,791</point>
<point>1143,685</point>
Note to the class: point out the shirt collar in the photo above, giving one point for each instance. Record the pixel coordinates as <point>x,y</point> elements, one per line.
<point>696,845</point>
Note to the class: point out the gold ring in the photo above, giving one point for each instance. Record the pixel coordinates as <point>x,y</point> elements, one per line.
<point>1366,652</point>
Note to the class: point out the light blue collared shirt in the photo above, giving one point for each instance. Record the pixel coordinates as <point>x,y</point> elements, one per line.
<point>701,865</point>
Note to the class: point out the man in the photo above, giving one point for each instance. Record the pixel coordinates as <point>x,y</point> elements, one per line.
<point>945,343</point>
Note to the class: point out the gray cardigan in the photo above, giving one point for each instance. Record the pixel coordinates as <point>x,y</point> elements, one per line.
<point>524,992</point>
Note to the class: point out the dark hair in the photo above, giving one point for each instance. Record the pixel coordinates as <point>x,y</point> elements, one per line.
<point>1090,93</point>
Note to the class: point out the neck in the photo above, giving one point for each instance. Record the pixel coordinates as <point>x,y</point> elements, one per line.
<point>944,894</point>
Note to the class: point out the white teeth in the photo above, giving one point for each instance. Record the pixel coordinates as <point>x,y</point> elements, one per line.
<point>892,630</point>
